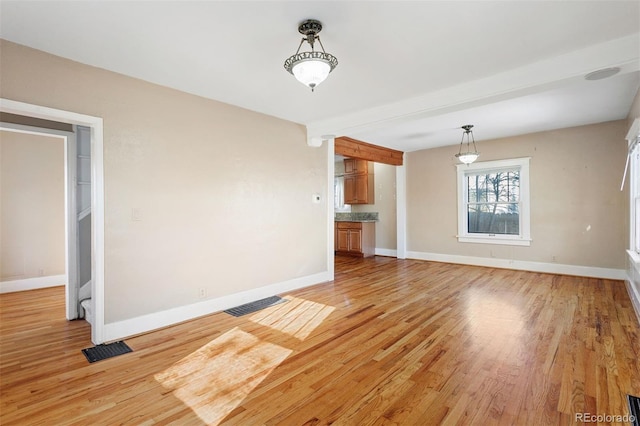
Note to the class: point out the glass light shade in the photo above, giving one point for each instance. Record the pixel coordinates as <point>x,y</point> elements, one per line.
<point>311,68</point>
<point>311,72</point>
<point>468,157</point>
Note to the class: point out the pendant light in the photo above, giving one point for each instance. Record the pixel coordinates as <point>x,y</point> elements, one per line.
<point>313,67</point>
<point>468,156</point>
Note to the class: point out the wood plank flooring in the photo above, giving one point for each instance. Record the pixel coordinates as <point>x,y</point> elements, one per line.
<point>399,342</point>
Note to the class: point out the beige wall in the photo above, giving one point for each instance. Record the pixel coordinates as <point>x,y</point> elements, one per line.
<point>577,209</point>
<point>385,205</point>
<point>224,194</point>
<point>31,206</point>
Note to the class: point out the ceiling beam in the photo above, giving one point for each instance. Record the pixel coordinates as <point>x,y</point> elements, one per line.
<point>541,76</point>
<point>354,148</point>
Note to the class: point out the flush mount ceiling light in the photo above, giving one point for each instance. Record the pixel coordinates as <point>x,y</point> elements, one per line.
<point>310,68</point>
<point>468,156</point>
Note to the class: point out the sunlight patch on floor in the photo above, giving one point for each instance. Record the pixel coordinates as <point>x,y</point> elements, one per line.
<point>493,320</point>
<point>216,378</point>
<point>298,317</point>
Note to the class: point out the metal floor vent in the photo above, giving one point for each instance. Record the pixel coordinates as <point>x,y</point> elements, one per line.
<point>634,409</point>
<point>100,352</point>
<point>249,308</point>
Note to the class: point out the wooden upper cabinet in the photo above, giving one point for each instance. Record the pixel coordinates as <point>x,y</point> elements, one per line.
<point>353,166</point>
<point>358,189</point>
<point>358,182</point>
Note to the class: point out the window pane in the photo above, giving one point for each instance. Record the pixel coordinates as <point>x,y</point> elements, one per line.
<point>494,187</point>
<point>493,218</point>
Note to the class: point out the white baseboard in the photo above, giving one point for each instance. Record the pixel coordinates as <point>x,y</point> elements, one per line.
<point>633,282</point>
<point>32,283</point>
<point>145,323</point>
<point>386,252</point>
<point>523,265</point>
<point>634,295</point>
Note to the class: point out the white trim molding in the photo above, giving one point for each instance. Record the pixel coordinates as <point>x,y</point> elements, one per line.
<point>331,149</point>
<point>523,265</point>
<point>401,209</point>
<point>632,281</point>
<point>145,323</point>
<point>634,131</point>
<point>386,252</point>
<point>32,283</point>
<point>634,295</point>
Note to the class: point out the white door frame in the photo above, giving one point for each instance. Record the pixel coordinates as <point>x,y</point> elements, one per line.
<point>97,196</point>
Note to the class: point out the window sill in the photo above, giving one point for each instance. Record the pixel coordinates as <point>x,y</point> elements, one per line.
<point>635,257</point>
<point>495,240</point>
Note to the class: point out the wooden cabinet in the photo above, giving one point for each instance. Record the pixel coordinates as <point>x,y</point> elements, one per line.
<point>355,238</point>
<point>358,182</point>
<point>353,166</point>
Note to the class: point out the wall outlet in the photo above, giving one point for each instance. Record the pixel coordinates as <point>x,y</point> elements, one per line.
<point>41,272</point>
<point>202,293</point>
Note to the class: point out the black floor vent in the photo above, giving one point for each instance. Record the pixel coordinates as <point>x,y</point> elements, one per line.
<point>100,352</point>
<point>248,308</point>
<point>634,409</point>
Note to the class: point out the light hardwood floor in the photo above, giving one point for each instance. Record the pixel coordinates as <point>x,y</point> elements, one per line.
<point>388,342</point>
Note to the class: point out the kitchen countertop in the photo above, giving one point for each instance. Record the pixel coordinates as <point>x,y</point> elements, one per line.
<point>355,220</point>
<point>356,217</point>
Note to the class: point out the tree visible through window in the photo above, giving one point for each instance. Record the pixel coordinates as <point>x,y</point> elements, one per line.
<point>493,202</point>
<point>492,206</point>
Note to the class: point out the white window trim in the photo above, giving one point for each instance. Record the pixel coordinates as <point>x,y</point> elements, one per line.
<point>633,138</point>
<point>524,239</point>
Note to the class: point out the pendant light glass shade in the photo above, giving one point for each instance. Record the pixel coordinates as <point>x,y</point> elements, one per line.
<point>311,72</point>
<point>310,68</point>
<point>468,156</point>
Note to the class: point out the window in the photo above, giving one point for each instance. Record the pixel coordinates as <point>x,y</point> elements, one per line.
<point>338,195</point>
<point>632,175</point>
<point>634,188</point>
<point>493,202</point>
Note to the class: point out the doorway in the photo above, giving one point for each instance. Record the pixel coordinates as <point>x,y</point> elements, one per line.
<point>393,173</point>
<point>94,125</point>
<point>46,209</point>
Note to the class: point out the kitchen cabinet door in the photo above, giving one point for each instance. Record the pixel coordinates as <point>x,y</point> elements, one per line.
<point>355,238</point>
<point>353,166</point>
<point>358,189</point>
<point>342,240</point>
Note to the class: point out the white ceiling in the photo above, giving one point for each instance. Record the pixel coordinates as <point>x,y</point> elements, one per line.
<point>410,73</point>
